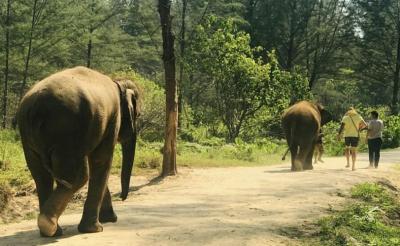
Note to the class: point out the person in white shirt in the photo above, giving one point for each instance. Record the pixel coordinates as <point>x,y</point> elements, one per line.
<point>374,135</point>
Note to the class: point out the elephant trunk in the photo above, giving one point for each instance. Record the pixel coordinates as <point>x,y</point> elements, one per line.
<point>128,156</point>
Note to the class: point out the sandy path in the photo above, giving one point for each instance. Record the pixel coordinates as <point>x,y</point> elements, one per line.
<point>221,206</point>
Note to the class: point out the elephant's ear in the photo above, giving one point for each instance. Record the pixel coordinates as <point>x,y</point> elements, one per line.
<point>132,104</point>
<point>326,116</point>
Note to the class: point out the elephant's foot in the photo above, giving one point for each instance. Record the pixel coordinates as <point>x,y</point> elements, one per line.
<point>48,226</point>
<point>90,227</point>
<point>58,233</point>
<point>107,216</point>
<point>297,166</point>
<point>308,167</point>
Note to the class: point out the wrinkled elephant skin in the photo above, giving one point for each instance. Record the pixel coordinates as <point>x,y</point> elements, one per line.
<point>69,124</point>
<point>301,124</point>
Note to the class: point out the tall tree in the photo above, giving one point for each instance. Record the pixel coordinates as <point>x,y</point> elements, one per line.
<point>7,59</point>
<point>378,48</point>
<point>169,159</point>
<point>37,10</point>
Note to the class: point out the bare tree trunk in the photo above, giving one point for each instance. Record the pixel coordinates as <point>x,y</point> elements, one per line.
<point>169,159</point>
<point>182,54</point>
<point>28,55</point>
<point>6,69</point>
<point>292,27</point>
<point>89,50</point>
<point>316,61</point>
<point>395,98</point>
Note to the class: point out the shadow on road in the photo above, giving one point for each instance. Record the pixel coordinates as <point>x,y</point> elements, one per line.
<point>32,237</point>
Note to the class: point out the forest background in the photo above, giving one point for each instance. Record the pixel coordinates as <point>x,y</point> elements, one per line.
<point>240,63</point>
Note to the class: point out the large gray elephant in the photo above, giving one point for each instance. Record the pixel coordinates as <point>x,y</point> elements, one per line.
<point>301,124</point>
<point>69,124</point>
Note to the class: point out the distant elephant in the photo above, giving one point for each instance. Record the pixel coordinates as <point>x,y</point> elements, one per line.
<point>301,124</point>
<point>69,124</point>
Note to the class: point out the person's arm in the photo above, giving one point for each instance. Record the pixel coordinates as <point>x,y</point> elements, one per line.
<point>340,130</point>
<point>368,128</point>
<point>362,126</point>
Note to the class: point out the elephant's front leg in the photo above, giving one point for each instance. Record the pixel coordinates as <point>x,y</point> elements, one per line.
<point>107,213</point>
<point>99,167</point>
<point>97,185</point>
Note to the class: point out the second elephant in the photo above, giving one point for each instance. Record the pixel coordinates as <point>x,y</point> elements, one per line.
<point>301,124</point>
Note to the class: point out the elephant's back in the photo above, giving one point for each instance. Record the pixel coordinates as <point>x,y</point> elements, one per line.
<point>303,117</point>
<point>303,109</point>
<point>73,104</point>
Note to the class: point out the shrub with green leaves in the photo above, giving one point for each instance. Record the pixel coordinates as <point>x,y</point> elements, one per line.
<point>13,170</point>
<point>152,117</point>
<point>241,83</point>
<point>370,219</point>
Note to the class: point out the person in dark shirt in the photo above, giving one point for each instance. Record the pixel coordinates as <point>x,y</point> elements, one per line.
<point>374,135</point>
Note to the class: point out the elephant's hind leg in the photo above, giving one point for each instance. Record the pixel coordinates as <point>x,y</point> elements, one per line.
<point>296,165</point>
<point>308,162</point>
<point>72,170</point>
<point>307,152</point>
<point>44,183</point>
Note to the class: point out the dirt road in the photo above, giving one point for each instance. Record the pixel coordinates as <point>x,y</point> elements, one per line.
<point>221,206</point>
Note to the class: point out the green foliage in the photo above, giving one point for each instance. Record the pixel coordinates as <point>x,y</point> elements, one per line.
<point>13,170</point>
<point>332,146</point>
<point>5,195</point>
<point>371,219</point>
<point>209,152</point>
<point>242,83</point>
<point>391,133</point>
<point>152,117</point>
<point>263,152</point>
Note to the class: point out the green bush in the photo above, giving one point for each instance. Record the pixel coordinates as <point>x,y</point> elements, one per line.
<point>151,122</point>
<point>391,132</point>
<point>5,194</point>
<point>368,220</point>
<point>13,170</point>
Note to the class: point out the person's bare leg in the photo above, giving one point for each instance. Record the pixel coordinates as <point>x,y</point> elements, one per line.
<point>353,157</point>
<point>347,153</point>
<point>321,152</point>
<point>316,155</point>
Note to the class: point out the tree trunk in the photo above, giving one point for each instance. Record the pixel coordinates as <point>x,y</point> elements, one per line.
<point>28,55</point>
<point>182,54</point>
<point>395,100</point>
<point>169,158</point>
<point>316,61</point>
<point>7,58</point>
<point>292,27</point>
<point>89,50</point>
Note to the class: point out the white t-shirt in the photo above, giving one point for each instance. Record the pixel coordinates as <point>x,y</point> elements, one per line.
<point>375,128</point>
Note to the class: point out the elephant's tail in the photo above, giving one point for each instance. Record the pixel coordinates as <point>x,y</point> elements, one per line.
<point>284,155</point>
<point>47,166</point>
<point>292,135</point>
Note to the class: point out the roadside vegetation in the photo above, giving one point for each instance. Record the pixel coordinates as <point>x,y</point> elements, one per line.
<point>202,142</point>
<point>371,217</point>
